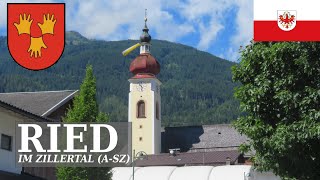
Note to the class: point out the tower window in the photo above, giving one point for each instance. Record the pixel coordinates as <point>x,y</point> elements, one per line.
<point>157,111</point>
<point>140,126</point>
<point>6,142</point>
<point>140,138</point>
<point>141,109</point>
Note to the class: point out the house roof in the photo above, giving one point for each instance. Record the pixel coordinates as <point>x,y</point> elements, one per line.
<point>23,112</point>
<point>188,159</point>
<point>41,103</point>
<point>197,138</point>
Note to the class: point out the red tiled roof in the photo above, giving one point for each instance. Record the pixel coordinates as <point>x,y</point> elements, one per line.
<point>145,64</point>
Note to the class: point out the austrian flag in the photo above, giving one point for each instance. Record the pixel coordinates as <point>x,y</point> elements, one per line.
<point>287,20</point>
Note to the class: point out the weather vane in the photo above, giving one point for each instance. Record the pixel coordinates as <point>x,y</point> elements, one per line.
<point>145,31</point>
<point>145,15</point>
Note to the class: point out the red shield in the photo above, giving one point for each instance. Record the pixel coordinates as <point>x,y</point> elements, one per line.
<point>36,34</point>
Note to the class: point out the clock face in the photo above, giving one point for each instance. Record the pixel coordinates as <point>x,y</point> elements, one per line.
<point>141,86</point>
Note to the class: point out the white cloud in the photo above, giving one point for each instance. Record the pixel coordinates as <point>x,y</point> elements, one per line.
<point>214,12</point>
<point>105,19</point>
<point>244,34</point>
<point>244,23</point>
<point>232,54</point>
<point>207,15</point>
<point>208,34</point>
<point>3,9</point>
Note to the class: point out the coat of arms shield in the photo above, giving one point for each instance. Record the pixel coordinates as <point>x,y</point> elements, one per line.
<point>287,20</point>
<point>36,33</point>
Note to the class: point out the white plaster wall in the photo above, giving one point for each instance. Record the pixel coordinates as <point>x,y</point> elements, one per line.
<point>151,131</point>
<point>8,121</point>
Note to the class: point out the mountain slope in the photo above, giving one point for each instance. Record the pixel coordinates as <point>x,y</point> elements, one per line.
<point>197,86</point>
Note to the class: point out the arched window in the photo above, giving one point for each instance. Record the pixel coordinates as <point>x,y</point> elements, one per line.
<point>141,109</point>
<point>157,111</point>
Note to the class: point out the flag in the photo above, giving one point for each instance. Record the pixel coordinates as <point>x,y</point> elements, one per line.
<point>286,20</point>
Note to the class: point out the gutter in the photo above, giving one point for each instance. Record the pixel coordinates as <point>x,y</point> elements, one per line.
<point>59,104</point>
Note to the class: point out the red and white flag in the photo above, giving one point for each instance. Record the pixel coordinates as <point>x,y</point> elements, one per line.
<point>287,20</point>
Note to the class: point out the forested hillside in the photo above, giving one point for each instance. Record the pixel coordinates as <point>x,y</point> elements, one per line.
<point>197,86</point>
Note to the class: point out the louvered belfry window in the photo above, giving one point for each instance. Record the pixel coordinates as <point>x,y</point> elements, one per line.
<point>141,109</point>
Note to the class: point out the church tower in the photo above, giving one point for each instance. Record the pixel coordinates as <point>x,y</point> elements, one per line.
<point>144,99</point>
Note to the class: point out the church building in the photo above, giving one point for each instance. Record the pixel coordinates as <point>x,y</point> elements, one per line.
<point>144,99</point>
<point>208,152</point>
<point>144,112</point>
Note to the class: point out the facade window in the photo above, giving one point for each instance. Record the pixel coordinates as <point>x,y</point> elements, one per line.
<point>141,109</point>
<point>140,126</point>
<point>143,48</point>
<point>6,142</point>
<point>140,138</point>
<point>157,111</point>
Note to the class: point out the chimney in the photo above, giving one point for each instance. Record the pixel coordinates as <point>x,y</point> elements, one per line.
<point>173,152</point>
<point>228,161</point>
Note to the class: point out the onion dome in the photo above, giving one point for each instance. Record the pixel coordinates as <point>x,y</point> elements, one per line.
<point>145,66</point>
<point>145,36</point>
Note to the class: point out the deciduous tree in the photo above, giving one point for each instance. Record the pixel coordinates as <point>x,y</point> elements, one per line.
<point>280,98</point>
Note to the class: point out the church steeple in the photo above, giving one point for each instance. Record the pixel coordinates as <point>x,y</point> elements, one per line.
<point>144,99</point>
<point>145,65</point>
<point>145,37</point>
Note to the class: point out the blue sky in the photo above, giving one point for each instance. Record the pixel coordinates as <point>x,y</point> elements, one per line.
<point>219,27</point>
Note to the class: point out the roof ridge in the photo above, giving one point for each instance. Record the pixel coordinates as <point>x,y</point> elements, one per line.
<point>183,153</point>
<point>39,92</point>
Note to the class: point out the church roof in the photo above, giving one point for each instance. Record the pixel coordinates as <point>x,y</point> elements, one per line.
<point>200,138</point>
<point>188,159</point>
<point>145,64</point>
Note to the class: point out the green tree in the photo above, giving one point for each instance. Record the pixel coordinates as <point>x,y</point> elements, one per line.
<point>280,98</point>
<point>85,109</point>
<point>115,107</point>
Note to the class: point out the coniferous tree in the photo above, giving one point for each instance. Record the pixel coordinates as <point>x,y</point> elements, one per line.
<point>85,109</point>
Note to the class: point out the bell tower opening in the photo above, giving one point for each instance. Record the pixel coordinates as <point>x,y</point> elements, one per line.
<point>141,109</point>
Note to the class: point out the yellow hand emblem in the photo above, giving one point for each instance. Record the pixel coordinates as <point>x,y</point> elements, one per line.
<point>25,24</point>
<point>35,46</point>
<point>48,24</point>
